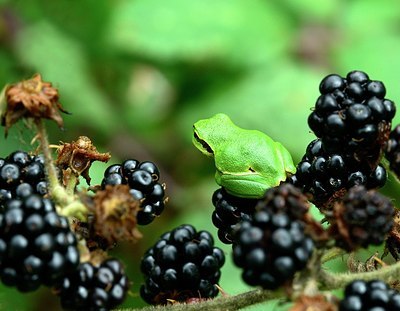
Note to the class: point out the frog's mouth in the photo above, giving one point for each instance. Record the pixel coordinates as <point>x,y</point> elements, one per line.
<point>206,147</point>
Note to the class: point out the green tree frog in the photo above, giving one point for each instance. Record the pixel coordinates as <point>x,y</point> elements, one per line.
<point>247,162</point>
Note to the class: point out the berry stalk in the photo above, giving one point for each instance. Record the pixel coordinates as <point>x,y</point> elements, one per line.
<point>69,206</point>
<point>331,281</point>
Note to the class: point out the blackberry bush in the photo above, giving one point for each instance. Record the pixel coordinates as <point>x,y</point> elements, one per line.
<point>183,264</point>
<point>94,287</point>
<point>142,178</point>
<point>37,245</point>
<point>54,233</point>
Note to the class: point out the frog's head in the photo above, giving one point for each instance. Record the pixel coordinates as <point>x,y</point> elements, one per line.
<point>209,134</point>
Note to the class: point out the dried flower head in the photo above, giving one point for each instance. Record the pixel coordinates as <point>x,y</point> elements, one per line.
<point>78,156</point>
<point>32,98</point>
<point>115,210</point>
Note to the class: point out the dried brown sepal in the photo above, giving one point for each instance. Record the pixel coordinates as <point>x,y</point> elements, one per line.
<point>314,303</point>
<point>32,98</point>
<point>114,212</point>
<point>373,263</point>
<point>78,156</point>
<point>393,239</point>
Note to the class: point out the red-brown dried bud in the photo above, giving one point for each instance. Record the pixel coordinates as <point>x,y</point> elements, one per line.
<point>79,155</point>
<point>114,210</point>
<point>32,98</point>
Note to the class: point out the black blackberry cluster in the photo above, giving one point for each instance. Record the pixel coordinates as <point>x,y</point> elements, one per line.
<point>92,288</point>
<point>323,174</point>
<point>142,178</point>
<point>20,175</point>
<point>183,264</point>
<point>374,295</point>
<point>230,210</point>
<point>270,248</point>
<point>352,115</point>
<point>36,244</point>
<point>362,218</point>
<point>392,151</point>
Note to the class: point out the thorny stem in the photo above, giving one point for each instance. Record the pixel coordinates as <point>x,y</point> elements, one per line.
<point>69,205</point>
<point>223,303</point>
<point>331,281</point>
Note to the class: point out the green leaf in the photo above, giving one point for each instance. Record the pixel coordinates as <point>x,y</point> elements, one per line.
<point>61,60</point>
<point>236,31</point>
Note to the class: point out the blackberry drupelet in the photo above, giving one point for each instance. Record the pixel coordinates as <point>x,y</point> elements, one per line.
<point>360,295</point>
<point>361,219</point>
<point>229,210</point>
<point>352,116</point>
<point>91,287</point>
<point>287,199</point>
<point>392,151</point>
<point>36,244</point>
<point>326,176</point>
<point>183,264</point>
<point>270,248</point>
<point>142,178</point>
<point>21,175</point>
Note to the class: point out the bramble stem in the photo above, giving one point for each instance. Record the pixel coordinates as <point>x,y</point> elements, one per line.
<point>222,303</point>
<point>331,281</point>
<point>331,254</point>
<point>69,205</point>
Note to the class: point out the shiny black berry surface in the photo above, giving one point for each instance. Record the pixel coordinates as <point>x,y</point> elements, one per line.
<point>91,287</point>
<point>230,210</point>
<point>351,113</point>
<point>21,175</point>
<point>323,174</point>
<point>182,264</point>
<point>271,248</point>
<point>373,295</point>
<point>143,180</point>
<point>36,244</point>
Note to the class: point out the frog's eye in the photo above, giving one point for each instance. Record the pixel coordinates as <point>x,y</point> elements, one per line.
<point>203,144</point>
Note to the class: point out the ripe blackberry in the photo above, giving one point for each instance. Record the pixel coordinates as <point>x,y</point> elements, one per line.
<point>352,115</point>
<point>142,178</point>
<point>229,210</point>
<point>327,176</point>
<point>361,219</point>
<point>183,264</point>
<point>392,151</point>
<point>91,287</point>
<point>270,248</point>
<point>36,244</point>
<point>20,175</point>
<point>374,295</point>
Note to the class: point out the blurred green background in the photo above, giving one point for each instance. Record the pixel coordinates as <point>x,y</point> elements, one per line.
<point>136,74</point>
